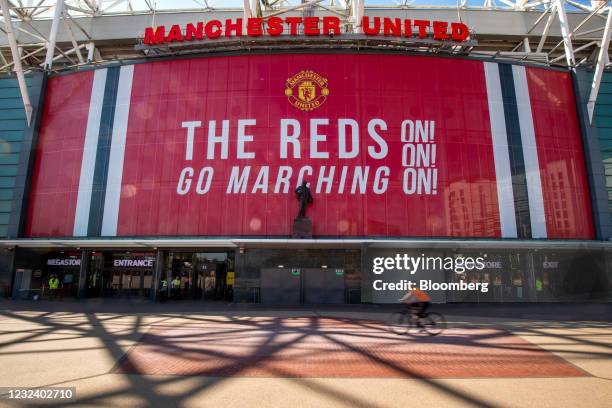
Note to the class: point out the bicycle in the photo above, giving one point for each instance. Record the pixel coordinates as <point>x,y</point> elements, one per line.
<point>432,323</point>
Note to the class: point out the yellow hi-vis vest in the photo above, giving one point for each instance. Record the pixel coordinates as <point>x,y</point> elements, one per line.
<point>53,283</point>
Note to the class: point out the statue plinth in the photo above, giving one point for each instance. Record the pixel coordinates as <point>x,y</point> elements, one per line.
<point>302,227</point>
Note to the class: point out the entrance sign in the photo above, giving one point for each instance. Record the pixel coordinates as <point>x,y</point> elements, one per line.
<point>134,263</point>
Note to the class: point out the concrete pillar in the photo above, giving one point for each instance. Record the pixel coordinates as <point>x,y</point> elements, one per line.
<point>157,273</point>
<point>366,276</point>
<point>83,273</point>
<point>241,294</point>
<point>7,271</point>
<point>529,287</point>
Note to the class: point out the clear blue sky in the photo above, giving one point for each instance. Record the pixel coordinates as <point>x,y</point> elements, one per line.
<point>164,4</point>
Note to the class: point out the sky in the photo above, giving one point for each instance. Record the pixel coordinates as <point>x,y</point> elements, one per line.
<point>166,4</point>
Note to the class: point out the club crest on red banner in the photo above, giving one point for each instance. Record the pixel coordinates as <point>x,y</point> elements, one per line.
<point>307,90</point>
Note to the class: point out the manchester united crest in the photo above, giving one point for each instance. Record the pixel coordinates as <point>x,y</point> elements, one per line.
<point>307,90</point>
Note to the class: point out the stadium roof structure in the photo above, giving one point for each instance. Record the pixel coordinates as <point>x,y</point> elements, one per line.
<point>70,34</point>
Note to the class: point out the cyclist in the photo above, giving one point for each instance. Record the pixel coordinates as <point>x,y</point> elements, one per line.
<point>417,299</point>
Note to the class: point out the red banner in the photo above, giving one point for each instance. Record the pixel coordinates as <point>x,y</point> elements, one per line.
<point>392,146</point>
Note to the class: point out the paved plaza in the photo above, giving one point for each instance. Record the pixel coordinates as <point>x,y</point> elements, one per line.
<point>304,357</point>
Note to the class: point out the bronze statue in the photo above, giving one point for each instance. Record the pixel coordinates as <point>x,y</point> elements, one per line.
<point>302,193</point>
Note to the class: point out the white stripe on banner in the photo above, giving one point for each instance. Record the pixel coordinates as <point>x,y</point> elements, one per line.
<point>530,154</point>
<point>117,152</point>
<point>501,155</point>
<point>81,216</point>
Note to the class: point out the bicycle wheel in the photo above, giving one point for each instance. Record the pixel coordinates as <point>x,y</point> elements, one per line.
<point>434,323</point>
<point>399,323</point>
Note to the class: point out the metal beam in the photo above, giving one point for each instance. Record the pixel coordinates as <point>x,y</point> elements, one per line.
<point>599,68</point>
<point>357,11</point>
<point>90,51</point>
<point>526,46</point>
<point>73,40</point>
<point>582,47</point>
<point>293,8</point>
<point>565,33</point>
<point>65,54</point>
<point>59,6</point>
<point>29,54</point>
<point>247,9</point>
<point>551,18</point>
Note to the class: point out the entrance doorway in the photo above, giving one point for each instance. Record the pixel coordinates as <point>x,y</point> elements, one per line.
<point>120,274</point>
<point>200,275</point>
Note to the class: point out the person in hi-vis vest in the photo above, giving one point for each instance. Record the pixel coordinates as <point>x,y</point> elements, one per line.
<point>163,290</point>
<point>176,287</point>
<point>54,287</point>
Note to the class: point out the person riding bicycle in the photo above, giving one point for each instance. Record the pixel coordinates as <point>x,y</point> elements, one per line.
<point>417,299</point>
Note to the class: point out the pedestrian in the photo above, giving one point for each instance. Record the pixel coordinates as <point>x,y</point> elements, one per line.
<point>176,286</point>
<point>54,284</point>
<point>163,290</point>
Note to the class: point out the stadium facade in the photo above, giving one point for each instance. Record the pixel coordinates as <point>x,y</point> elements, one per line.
<point>445,166</point>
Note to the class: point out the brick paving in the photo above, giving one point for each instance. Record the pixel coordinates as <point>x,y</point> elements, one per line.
<point>328,347</point>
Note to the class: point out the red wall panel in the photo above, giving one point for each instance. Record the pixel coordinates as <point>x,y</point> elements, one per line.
<point>57,166</point>
<point>560,154</point>
<point>451,92</point>
<point>362,87</point>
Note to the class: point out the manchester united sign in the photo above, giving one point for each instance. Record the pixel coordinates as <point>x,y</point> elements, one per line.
<point>437,31</point>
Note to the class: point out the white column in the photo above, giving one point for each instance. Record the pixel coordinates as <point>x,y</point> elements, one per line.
<point>59,6</point>
<point>565,33</point>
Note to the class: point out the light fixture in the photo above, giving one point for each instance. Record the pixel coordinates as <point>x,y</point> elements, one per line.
<point>281,266</point>
<point>324,266</point>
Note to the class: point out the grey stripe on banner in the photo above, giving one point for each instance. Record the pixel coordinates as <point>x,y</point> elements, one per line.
<point>81,216</point>
<point>501,155</point>
<point>117,152</point>
<point>530,154</point>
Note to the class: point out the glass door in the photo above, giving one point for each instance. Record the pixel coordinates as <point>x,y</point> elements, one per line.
<point>130,283</point>
<point>113,282</point>
<point>147,283</point>
<point>95,278</point>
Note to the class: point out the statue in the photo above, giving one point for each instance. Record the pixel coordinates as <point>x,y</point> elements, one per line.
<point>302,193</point>
<point>302,225</point>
